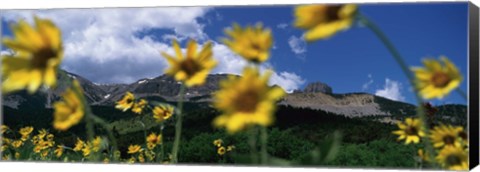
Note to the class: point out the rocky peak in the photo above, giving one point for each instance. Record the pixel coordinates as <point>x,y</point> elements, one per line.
<point>318,87</point>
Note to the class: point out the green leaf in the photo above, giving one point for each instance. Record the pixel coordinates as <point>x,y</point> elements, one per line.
<point>324,152</point>
<point>329,148</point>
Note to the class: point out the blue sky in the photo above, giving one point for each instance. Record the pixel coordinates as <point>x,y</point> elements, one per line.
<point>125,47</point>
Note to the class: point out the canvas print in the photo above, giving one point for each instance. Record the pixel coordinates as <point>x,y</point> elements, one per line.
<point>310,85</point>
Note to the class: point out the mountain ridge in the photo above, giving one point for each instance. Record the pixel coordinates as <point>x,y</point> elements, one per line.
<point>316,96</point>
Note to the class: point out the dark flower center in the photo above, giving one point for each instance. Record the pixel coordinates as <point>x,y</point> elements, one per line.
<point>463,135</point>
<point>41,57</point>
<point>256,46</point>
<point>129,101</point>
<point>440,79</point>
<point>332,13</point>
<point>190,67</point>
<point>411,131</point>
<point>247,102</point>
<point>453,160</point>
<point>449,140</point>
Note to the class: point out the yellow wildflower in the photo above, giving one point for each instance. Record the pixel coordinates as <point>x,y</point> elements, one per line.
<point>5,157</point>
<point>4,129</point>
<point>70,111</point>
<point>446,135</point>
<point>193,68</point>
<point>42,133</point>
<point>252,42</point>
<point>50,137</point>
<point>218,142</point>
<point>132,149</point>
<point>79,145</point>
<point>150,155</point>
<point>87,149</point>
<point>131,160</point>
<point>97,144</point>
<point>106,160</point>
<point>423,155</point>
<point>141,158</point>
<point>38,148</point>
<point>323,21</point>
<point>138,107</point>
<point>435,80</point>
<point>126,102</point>
<point>453,158</point>
<point>246,100</point>
<point>17,155</point>
<point>35,139</point>
<point>5,143</point>
<point>116,154</point>
<point>3,148</point>
<point>59,151</point>
<point>45,153</point>
<point>17,143</point>
<point>153,140</point>
<point>221,150</point>
<point>25,132</point>
<point>230,148</point>
<point>162,113</point>
<point>38,53</point>
<point>411,130</point>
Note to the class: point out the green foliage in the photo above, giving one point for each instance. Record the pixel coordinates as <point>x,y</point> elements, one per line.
<point>295,134</point>
<point>377,153</point>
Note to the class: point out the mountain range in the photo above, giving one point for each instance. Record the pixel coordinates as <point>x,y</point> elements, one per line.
<point>316,96</point>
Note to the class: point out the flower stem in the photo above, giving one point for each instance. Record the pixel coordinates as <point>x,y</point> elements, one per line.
<point>252,141</point>
<point>162,151</point>
<point>463,94</point>
<point>112,138</point>
<point>144,129</point>
<point>178,125</point>
<point>399,59</point>
<point>264,139</point>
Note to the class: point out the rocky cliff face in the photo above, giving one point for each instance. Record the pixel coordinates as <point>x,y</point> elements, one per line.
<point>318,87</point>
<point>351,105</point>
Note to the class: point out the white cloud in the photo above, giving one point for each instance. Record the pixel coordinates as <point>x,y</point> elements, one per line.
<point>229,62</point>
<point>298,46</point>
<point>366,85</point>
<point>5,52</point>
<point>103,44</point>
<point>282,25</point>
<point>288,81</point>
<point>391,90</point>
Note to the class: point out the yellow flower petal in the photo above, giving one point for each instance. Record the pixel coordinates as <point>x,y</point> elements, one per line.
<point>323,21</point>
<point>193,70</point>
<point>38,53</point>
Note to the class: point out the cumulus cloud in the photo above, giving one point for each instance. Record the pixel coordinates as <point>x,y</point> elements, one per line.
<point>229,62</point>
<point>298,46</point>
<point>103,45</point>
<point>391,90</point>
<point>366,85</point>
<point>288,81</point>
<point>103,41</point>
